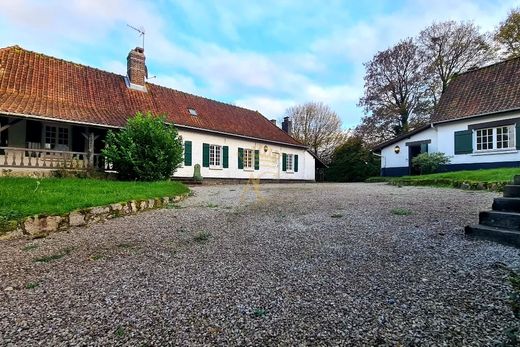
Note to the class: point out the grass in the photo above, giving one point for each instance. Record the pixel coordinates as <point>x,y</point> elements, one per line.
<point>24,196</point>
<point>401,212</point>
<point>202,236</point>
<point>259,312</point>
<point>53,257</point>
<point>488,175</point>
<point>29,247</point>
<point>493,179</point>
<point>32,285</point>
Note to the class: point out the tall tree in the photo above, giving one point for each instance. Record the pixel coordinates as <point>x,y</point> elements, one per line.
<point>317,126</point>
<point>451,48</point>
<point>507,34</point>
<point>395,93</point>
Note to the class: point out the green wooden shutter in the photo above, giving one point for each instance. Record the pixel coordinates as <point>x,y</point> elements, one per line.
<point>187,153</point>
<point>424,148</point>
<point>205,154</point>
<point>296,163</point>
<point>225,157</point>
<point>517,135</point>
<point>284,161</point>
<point>257,159</point>
<point>463,142</point>
<point>240,158</point>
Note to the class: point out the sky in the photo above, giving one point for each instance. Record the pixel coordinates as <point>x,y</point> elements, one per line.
<point>264,55</point>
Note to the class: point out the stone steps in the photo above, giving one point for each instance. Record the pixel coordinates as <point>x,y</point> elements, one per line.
<point>502,224</point>
<point>483,232</point>
<point>506,204</point>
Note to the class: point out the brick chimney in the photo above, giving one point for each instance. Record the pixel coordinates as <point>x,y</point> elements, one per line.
<point>136,68</point>
<point>273,121</point>
<point>287,125</point>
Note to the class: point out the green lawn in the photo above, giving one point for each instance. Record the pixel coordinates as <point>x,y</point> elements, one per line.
<point>21,196</point>
<point>493,179</point>
<point>489,175</point>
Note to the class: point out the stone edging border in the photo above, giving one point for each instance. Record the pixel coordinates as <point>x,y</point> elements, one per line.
<point>467,185</point>
<point>42,225</point>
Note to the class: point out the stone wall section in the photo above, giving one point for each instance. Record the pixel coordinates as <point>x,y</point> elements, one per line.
<point>42,225</point>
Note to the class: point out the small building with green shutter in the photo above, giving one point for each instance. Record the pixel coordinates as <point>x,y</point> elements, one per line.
<point>476,124</point>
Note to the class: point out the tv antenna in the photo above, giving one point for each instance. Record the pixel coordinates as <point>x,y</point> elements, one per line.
<point>140,30</point>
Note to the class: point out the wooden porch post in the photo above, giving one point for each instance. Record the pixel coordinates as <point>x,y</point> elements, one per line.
<point>90,137</point>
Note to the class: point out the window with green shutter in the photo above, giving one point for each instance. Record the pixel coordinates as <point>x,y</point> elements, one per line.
<point>284,161</point>
<point>240,158</point>
<point>257,159</point>
<point>463,142</point>
<point>517,135</point>
<point>187,153</point>
<point>225,157</point>
<point>205,154</point>
<point>296,163</point>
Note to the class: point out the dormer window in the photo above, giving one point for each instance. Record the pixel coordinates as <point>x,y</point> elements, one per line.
<point>193,111</point>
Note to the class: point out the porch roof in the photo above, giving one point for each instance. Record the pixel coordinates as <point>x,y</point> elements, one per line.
<point>35,84</point>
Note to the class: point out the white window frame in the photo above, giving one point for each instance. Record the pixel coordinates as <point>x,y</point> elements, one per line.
<point>56,138</point>
<point>215,164</point>
<point>290,168</point>
<point>511,132</point>
<point>249,159</point>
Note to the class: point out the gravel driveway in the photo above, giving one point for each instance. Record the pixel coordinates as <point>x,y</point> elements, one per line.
<point>306,264</point>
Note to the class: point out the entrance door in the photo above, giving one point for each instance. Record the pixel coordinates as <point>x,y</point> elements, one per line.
<point>413,151</point>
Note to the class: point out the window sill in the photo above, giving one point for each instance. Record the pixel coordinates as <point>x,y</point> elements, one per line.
<point>216,168</point>
<point>289,172</point>
<point>249,169</point>
<point>492,152</point>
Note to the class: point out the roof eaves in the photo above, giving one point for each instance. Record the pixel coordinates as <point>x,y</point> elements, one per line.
<point>400,137</point>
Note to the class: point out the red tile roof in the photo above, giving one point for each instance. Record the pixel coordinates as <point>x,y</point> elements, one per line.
<point>491,89</point>
<point>34,84</point>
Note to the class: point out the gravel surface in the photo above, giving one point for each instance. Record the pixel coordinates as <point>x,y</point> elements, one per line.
<point>305,264</point>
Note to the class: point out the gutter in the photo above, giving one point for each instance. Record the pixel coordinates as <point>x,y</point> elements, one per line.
<point>477,115</point>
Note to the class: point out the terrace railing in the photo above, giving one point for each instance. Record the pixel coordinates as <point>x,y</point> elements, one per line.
<point>14,157</point>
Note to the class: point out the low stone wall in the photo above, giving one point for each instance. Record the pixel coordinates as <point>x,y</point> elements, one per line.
<point>42,225</point>
<point>492,186</point>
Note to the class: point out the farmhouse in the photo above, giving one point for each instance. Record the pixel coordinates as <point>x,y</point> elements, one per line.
<point>55,113</point>
<point>476,124</point>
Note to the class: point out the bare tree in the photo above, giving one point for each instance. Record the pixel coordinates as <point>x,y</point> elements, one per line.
<point>317,126</point>
<point>451,48</point>
<point>507,35</point>
<point>396,92</point>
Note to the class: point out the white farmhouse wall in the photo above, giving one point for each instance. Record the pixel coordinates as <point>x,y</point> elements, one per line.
<point>446,142</point>
<point>442,140</point>
<point>391,159</point>
<point>270,161</point>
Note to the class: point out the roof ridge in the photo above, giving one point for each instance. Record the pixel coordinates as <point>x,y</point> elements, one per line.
<point>488,66</point>
<point>59,59</point>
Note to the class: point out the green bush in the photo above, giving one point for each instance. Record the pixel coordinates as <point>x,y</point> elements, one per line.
<point>146,149</point>
<point>352,162</point>
<point>430,162</point>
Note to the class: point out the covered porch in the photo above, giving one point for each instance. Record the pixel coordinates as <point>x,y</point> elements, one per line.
<point>40,144</point>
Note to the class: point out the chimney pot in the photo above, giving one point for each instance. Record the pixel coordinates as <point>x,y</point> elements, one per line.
<point>136,67</point>
<point>287,125</point>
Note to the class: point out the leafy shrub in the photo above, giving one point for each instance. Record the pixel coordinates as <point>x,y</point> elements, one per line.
<point>146,149</point>
<point>352,162</point>
<point>430,162</point>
